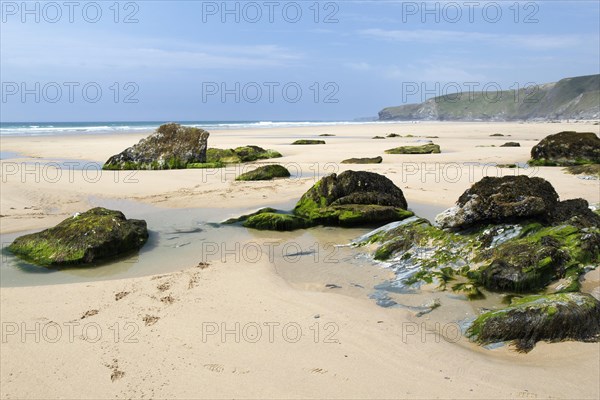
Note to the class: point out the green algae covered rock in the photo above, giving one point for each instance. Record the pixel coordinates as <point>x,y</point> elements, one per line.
<point>171,146</point>
<point>240,155</point>
<point>207,165</point>
<point>255,153</point>
<point>353,197</point>
<point>539,256</point>
<point>349,199</point>
<point>265,173</point>
<point>567,148</point>
<point>308,141</point>
<point>85,238</point>
<point>424,149</point>
<point>552,318</point>
<point>374,160</point>
<point>275,222</point>
<point>243,218</point>
<point>510,258</point>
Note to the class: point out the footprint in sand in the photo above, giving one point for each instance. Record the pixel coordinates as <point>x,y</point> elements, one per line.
<point>318,371</point>
<point>214,367</point>
<point>116,373</point>
<point>120,295</point>
<point>163,287</point>
<point>89,313</point>
<point>240,371</point>
<point>168,299</point>
<point>150,320</point>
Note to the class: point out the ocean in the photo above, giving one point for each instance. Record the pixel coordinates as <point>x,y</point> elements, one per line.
<point>82,128</point>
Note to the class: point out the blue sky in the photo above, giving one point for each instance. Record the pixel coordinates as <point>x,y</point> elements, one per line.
<point>349,60</point>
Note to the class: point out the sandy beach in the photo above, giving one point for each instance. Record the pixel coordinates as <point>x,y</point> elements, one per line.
<point>238,329</point>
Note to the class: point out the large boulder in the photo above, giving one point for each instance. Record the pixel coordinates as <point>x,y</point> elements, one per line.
<point>85,238</point>
<point>352,198</point>
<point>553,318</point>
<point>513,199</point>
<point>501,199</point>
<point>567,148</point>
<point>171,146</point>
<point>348,199</point>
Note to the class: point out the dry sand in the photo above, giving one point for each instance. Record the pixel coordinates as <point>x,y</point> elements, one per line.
<point>154,342</point>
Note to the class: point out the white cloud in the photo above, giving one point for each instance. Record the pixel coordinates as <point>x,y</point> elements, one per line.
<point>58,50</point>
<point>537,41</point>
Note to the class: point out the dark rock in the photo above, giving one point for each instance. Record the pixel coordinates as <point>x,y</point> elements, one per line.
<point>567,148</point>
<point>501,199</point>
<point>375,160</point>
<point>308,141</point>
<point>424,149</point>
<point>353,198</point>
<point>94,235</point>
<point>172,146</point>
<point>393,135</point>
<point>378,137</point>
<point>265,173</point>
<point>552,318</point>
<point>326,134</point>
<point>496,135</point>
<point>574,212</point>
<point>511,144</point>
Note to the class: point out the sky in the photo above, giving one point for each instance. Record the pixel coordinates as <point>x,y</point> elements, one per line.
<point>278,60</point>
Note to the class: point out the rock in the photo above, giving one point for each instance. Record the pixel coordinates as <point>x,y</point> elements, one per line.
<point>503,199</point>
<point>349,199</point>
<point>393,135</point>
<point>353,198</point>
<point>171,146</point>
<point>511,144</point>
<point>209,165</point>
<point>496,135</point>
<point>588,169</point>
<point>240,155</point>
<point>508,258</point>
<point>275,222</point>
<point>424,149</point>
<point>94,235</point>
<point>552,318</point>
<point>375,160</point>
<point>567,148</point>
<point>326,134</point>
<point>308,141</point>
<point>223,156</point>
<point>574,212</point>
<point>530,263</point>
<point>378,137</point>
<point>254,153</point>
<point>265,173</point>
<point>245,217</point>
